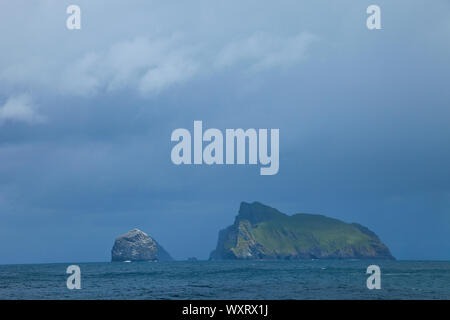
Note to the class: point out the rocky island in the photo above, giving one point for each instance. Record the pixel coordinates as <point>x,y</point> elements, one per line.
<point>138,246</point>
<point>262,232</point>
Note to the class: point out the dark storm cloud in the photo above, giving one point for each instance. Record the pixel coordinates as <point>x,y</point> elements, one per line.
<point>86,118</point>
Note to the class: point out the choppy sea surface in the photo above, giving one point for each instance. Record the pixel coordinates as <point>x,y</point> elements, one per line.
<point>319,279</point>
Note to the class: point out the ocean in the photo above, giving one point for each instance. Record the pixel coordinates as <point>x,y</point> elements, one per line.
<point>319,279</point>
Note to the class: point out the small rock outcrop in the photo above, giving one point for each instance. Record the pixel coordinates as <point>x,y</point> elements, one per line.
<point>138,246</point>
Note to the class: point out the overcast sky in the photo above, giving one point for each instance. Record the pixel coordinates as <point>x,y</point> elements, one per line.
<point>86,117</point>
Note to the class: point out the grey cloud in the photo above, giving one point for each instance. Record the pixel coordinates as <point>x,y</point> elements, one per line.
<point>20,108</point>
<point>151,65</point>
<point>362,136</point>
<point>262,51</point>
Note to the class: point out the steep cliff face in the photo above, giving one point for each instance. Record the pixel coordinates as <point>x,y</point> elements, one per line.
<point>138,246</point>
<point>262,232</point>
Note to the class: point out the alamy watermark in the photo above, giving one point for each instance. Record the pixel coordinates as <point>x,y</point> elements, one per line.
<point>374,280</point>
<point>373,22</point>
<point>238,147</point>
<point>74,280</point>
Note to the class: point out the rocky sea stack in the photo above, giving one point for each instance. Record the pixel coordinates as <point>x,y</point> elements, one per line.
<point>138,246</point>
<point>262,232</point>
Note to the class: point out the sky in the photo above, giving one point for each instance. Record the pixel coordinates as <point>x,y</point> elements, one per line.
<point>86,118</point>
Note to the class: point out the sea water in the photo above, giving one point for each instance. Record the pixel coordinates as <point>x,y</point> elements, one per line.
<point>319,279</point>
